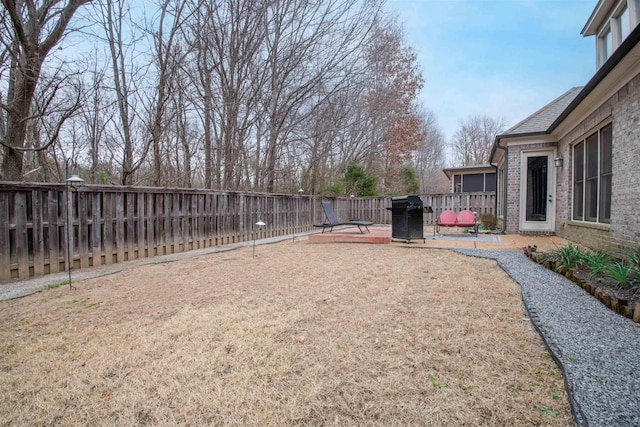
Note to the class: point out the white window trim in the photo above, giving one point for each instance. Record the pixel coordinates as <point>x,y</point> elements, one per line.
<point>601,49</point>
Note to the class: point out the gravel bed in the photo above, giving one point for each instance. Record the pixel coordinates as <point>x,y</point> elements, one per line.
<point>597,350</point>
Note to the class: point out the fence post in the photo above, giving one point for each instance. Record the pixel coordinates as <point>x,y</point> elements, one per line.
<point>5,248</point>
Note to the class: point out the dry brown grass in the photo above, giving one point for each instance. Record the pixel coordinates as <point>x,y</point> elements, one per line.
<point>301,334</point>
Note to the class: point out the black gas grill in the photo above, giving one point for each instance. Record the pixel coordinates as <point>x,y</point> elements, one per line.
<point>407,217</point>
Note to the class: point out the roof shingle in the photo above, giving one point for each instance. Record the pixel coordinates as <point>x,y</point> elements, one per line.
<point>541,120</point>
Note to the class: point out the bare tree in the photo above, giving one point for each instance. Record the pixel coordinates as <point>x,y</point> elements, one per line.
<point>237,33</point>
<point>200,75</point>
<point>168,56</point>
<point>94,119</point>
<point>474,138</point>
<point>429,158</point>
<point>310,46</point>
<point>30,30</point>
<point>113,16</point>
<point>236,94</point>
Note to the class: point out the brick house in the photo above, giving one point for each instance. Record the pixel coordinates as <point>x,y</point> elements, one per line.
<point>570,168</point>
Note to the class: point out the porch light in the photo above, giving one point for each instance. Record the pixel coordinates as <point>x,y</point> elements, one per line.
<point>559,161</point>
<point>71,183</point>
<point>260,224</point>
<point>74,180</point>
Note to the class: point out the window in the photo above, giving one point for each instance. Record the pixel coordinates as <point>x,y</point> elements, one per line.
<point>490,182</point>
<point>624,25</point>
<point>473,182</point>
<point>500,191</point>
<point>592,172</point>
<point>617,26</point>
<point>606,45</point>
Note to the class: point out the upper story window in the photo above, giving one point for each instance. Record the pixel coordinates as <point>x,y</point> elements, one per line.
<point>605,45</point>
<point>624,24</point>
<point>614,21</point>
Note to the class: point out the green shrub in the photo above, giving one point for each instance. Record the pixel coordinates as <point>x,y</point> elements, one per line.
<point>571,255</point>
<point>598,262</point>
<point>634,260</point>
<point>409,181</point>
<point>488,221</point>
<point>622,274</point>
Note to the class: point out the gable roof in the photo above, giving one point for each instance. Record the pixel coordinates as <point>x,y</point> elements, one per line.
<point>599,14</point>
<point>540,121</point>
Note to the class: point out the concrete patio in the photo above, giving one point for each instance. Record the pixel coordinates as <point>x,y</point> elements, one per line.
<point>452,239</point>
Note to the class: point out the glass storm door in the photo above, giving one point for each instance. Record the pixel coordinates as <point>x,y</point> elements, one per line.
<point>537,212</point>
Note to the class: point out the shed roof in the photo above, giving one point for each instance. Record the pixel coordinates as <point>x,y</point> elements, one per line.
<point>469,169</point>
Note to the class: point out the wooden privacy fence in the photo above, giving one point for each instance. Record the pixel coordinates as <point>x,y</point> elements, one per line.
<point>111,224</point>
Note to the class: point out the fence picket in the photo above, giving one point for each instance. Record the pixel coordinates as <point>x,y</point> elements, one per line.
<point>22,245</point>
<point>95,236</point>
<point>5,241</point>
<point>121,237</point>
<point>83,230</point>
<point>108,200</point>
<point>141,244</point>
<point>37,232</point>
<point>53,230</point>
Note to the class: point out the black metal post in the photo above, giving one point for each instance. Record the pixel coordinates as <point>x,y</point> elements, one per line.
<point>68,226</point>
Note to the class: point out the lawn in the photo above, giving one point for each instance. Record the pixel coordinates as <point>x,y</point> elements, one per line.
<point>339,334</point>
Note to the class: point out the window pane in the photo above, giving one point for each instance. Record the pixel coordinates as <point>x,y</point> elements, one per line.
<point>577,201</point>
<point>624,24</point>
<point>592,156</point>
<point>608,44</point>
<point>605,173</point>
<point>605,150</point>
<point>605,199</point>
<point>490,182</point>
<point>591,179</point>
<point>457,183</point>
<point>473,182</point>
<point>591,200</point>
<point>578,180</point>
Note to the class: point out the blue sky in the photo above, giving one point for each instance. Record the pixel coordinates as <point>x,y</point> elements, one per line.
<point>502,58</point>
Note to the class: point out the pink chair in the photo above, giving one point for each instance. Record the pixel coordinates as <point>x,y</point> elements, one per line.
<point>464,218</point>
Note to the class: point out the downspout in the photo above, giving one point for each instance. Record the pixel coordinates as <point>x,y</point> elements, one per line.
<point>506,175</point>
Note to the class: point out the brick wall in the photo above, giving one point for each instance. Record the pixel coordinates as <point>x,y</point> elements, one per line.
<point>623,109</point>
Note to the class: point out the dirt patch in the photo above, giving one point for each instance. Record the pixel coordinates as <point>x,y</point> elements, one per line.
<point>300,334</point>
